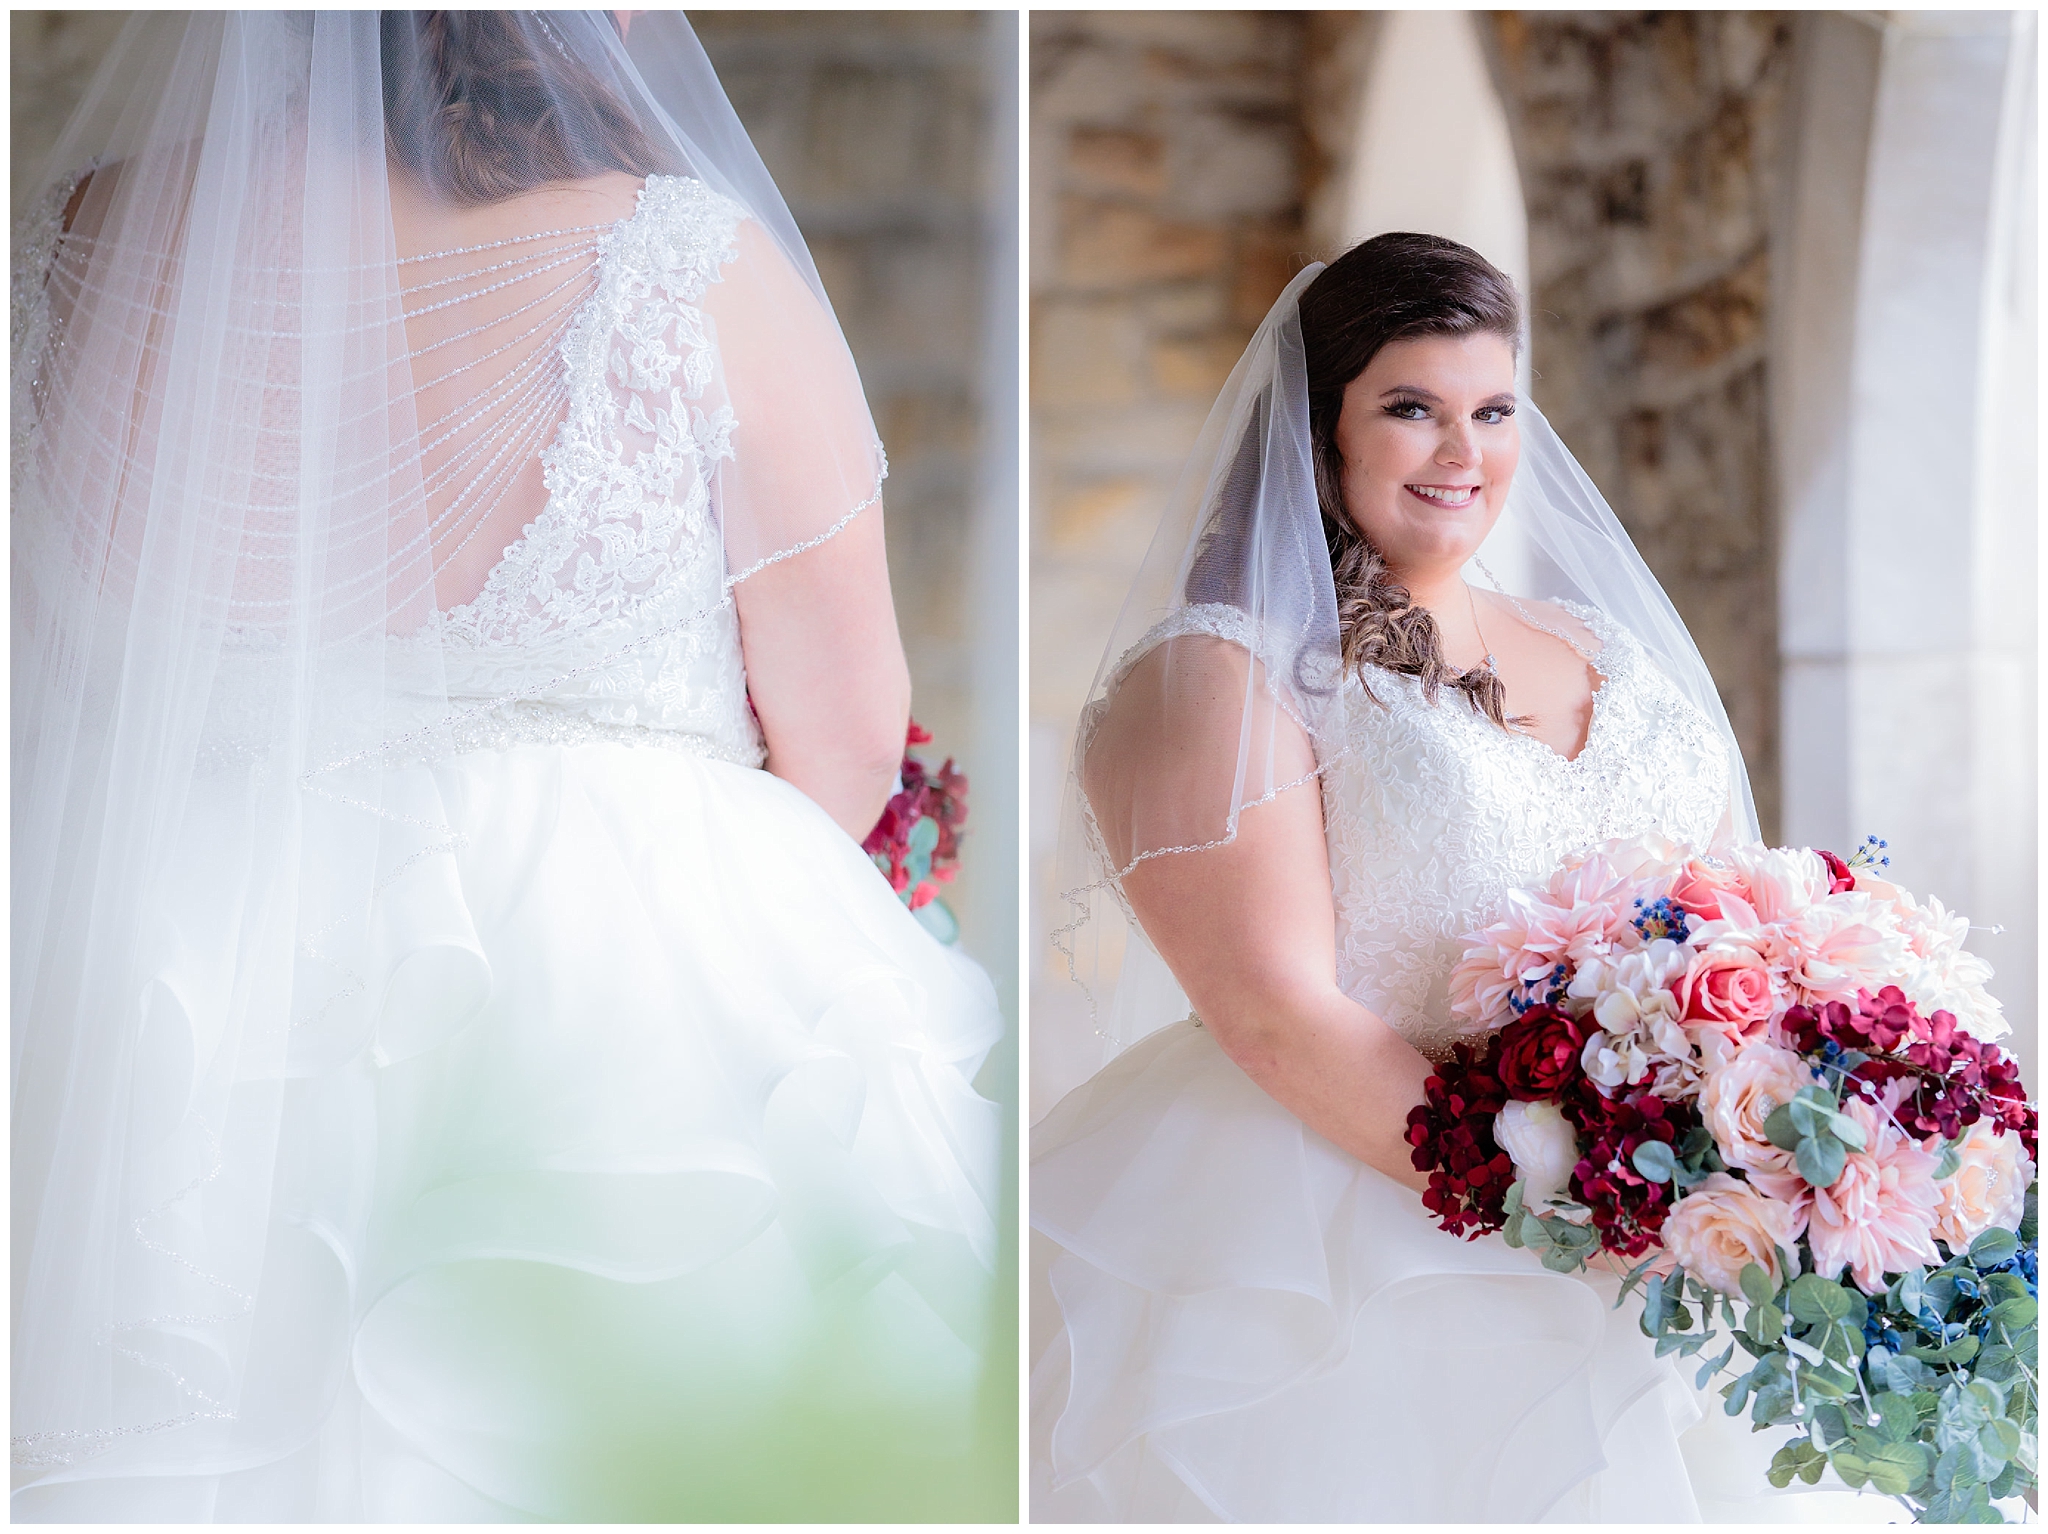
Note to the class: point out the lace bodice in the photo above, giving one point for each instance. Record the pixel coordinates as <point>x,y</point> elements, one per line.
<point>608,618</point>
<point>625,555</point>
<point>1433,813</point>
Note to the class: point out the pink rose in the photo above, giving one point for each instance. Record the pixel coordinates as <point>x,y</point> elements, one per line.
<point>1729,986</point>
<point>1701,885</point>
<point>1724,1224</point>
<point>1736,1099</point>
<point>1989,1188</point>
<point>1878,1216</point>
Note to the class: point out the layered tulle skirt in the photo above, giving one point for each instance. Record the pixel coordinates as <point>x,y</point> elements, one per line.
<point>663,1192</point>
<point>1255,1326</point>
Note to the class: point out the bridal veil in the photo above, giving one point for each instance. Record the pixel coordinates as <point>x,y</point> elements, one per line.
<point>276,390</point>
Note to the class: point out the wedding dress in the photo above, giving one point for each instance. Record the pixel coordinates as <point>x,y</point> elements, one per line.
<point>612,1153</point>
<point>1252,1324</point>
<point>1258,1327</point>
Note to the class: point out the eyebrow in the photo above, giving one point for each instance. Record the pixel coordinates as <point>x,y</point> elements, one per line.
<point>1506,394</point>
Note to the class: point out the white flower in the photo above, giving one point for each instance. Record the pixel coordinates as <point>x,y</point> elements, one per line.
<point>1613,1061</point>
<point>1541,1143</point>
<point>1943,975</point>
<point>1631,991</point>
<point>1641,1028</point>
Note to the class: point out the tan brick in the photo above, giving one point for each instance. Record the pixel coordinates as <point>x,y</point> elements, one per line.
<point>1105,244</point>
<point>1117,160</point>
<point>1194,367</point>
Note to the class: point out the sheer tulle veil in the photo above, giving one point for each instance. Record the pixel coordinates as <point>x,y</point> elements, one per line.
<point>257,415</point>
<point>1261,713</point>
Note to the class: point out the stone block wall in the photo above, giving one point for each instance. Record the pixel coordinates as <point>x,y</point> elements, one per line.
<point>1166,215</point>
<point>1652,149</point>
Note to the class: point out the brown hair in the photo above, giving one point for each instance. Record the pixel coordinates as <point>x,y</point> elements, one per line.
<point>1391,288</point>
<point>481,109</point>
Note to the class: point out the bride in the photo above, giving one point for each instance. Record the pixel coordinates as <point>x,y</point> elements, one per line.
<point>464,1066</point>
<point>1325,746</point>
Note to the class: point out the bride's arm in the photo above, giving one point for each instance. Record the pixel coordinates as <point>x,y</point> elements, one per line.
<point>825,666</point>
<point>826,672</point>
<point>1249,929</point>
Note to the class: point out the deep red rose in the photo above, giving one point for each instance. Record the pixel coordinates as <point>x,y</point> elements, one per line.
<point>1539,1054</point>
<point>1839,877</point>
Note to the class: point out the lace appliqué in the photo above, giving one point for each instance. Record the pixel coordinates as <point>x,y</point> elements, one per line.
<point>618,586</point>
<point>1433,813</point>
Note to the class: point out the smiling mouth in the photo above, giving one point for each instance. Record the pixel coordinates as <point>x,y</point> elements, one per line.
<point>1444,495</point>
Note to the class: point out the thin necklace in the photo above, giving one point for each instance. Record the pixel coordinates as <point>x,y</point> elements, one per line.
<point>1474,602</point>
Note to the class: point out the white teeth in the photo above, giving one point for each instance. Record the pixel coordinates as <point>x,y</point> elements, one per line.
<point>1451,497</point>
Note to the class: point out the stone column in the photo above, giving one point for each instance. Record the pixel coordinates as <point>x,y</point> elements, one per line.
<point>1649,148</point>
<point>1166,216</point>
<point>1907,597</point>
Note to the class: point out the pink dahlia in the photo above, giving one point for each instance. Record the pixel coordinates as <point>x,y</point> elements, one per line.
<point>1878,1216</point>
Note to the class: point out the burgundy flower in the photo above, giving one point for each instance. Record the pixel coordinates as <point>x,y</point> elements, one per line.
<point>1628,1209</point>
<point>1451,1138</point>
<point>1881,1021</point>
<point>1539,1054</point>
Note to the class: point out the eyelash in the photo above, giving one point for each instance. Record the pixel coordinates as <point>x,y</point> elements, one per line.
<point>1499,412</point>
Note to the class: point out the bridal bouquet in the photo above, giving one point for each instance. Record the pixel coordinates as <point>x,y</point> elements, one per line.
<point>916,843</point>
<point>1771,1079</point>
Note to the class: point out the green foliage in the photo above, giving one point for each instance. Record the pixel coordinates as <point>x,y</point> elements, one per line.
<point>1927,1392</point>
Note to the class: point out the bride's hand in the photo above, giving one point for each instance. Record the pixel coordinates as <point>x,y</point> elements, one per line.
<point>1249,931</point>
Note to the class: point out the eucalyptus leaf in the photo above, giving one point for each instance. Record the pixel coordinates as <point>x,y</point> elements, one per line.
<point>2015,1313</point>
<point>1993,1247</point>
<point>1909,1290</point>
<point>1903,1374</point>
<point>1563,1260</point>
<point>1756,1284</point>
<point>1847,1130</point>
<point>1808,1117</point>
<point>1816,1300</point>
<point>1711,1366</point>
<point>1999,1439</point>
<point>1780,1130</point>
<point>1898,1422</point>
<point>1820,1159</point>
<point>1654,1160</point>
<point>1949,1162</point>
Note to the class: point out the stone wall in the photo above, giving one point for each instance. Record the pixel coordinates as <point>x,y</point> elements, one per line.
<point>51,56</point>
<point>1651,151</point>
<point>1167,183</point>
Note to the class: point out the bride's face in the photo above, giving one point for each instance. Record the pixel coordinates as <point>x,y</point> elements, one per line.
<point>1429,442</point>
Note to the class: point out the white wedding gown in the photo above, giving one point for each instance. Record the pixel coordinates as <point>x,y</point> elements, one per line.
<point>1256,1326</point>
<point>660,1190</point>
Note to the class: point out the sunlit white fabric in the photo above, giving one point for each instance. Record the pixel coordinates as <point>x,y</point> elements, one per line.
<point>1255,1326</point>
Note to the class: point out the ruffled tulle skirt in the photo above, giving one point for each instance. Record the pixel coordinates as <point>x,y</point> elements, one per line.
<point>1254,1326</point>
<point>662,1194</point>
